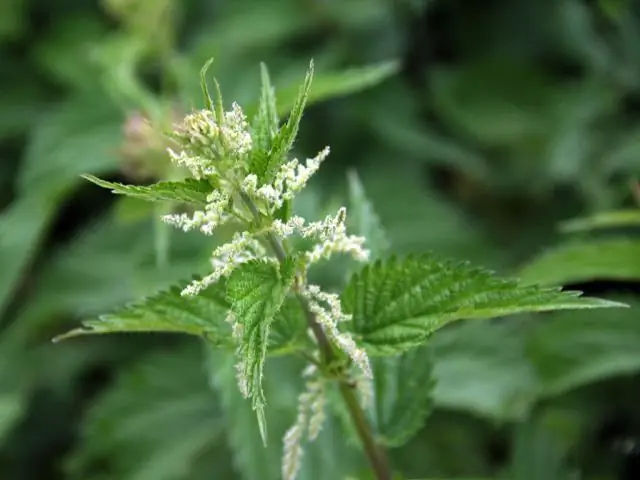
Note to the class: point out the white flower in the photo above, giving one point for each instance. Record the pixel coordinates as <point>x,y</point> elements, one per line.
<point>329,320</point>
<point>226,258</point>
<point>310,418</point>
<point>289,180</point>
<point>214,215</point>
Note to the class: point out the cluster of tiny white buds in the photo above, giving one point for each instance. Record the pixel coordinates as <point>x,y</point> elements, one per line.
<point>207,220</point>
<point>290,179</point>
<point>329,320</point>
<point>331,233</point>
<point>235,131</point>
<point>226,258</point>
<point>309,420</point>
<point>205,142</point>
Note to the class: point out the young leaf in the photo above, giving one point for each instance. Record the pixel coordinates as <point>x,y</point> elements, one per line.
<point>363,219</point>
<point>191,191</point>
<point>256,291</point>
<point>168,311</point>
<point>575,262</point>
<point>396,304</point>
<point>403,394</point>
<point>208,103</point>
<point>266,122</point>
<point>266,164</point>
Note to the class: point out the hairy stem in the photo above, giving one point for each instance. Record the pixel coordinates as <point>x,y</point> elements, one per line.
<point>376,455</point>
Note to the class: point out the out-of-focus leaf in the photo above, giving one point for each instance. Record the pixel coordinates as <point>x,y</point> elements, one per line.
<point>80,136</point>
<point>21,105</point>
<point>67,52</point>
<point>21,228</point>
<point>158,421</point>
<point>538,454</point>
<point>12,19</point>
<point>362,218</point>
<point>403,388</point>
<point>572,350</point>
<point>576,262</point>
<point>482,368</point>
<point>108,265</point>
<point>494,102</point>
<point>613,219</point>
<point>328,85</point>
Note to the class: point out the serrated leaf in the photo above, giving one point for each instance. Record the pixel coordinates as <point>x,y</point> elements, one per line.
<point>614,219</point>
<point>202,315</point>
<point>256,291</point>
<point>189,191</point>
<point>265,165</point>
<point>580,261</point>
<point>363,219</point>
<point>266,122</point>
<point>396,304</point>
<point>570,351</point>
<point>403,395</point>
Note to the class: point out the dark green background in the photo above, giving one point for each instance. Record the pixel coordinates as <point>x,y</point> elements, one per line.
<point>482,125</point>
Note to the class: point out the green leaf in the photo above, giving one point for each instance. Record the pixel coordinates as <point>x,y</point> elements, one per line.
<point>208,103</point>
<point>79,136</point>
<point>132,426</point>
<point>256,291</point>
<point>362,218</point>
<point>397,304</point>
<point>189,191</point>
<point>22,225</point>
<point>569,350</point>
<point>168,311</point>
<point>403,395</point>
<point>615,219</point>
<point>327,458</point>
<point>266,122</point>
<point>482,368</point>
<point>580,261</point>
<point>538,453</point>
<point>330,85</point>
<point>266,166</point>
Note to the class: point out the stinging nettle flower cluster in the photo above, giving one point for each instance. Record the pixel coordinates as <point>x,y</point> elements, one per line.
<point>250,186</point>
<point>240,177</point>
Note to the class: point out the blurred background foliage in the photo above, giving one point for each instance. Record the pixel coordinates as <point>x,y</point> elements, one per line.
<point>477,130</point>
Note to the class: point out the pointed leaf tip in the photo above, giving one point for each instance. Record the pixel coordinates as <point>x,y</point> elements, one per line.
<point>203,84</point>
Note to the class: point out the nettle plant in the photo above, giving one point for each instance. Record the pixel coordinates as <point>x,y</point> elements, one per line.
<point>361,343</point>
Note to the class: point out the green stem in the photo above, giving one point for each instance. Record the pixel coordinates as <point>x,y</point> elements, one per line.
<point>376,455</point>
